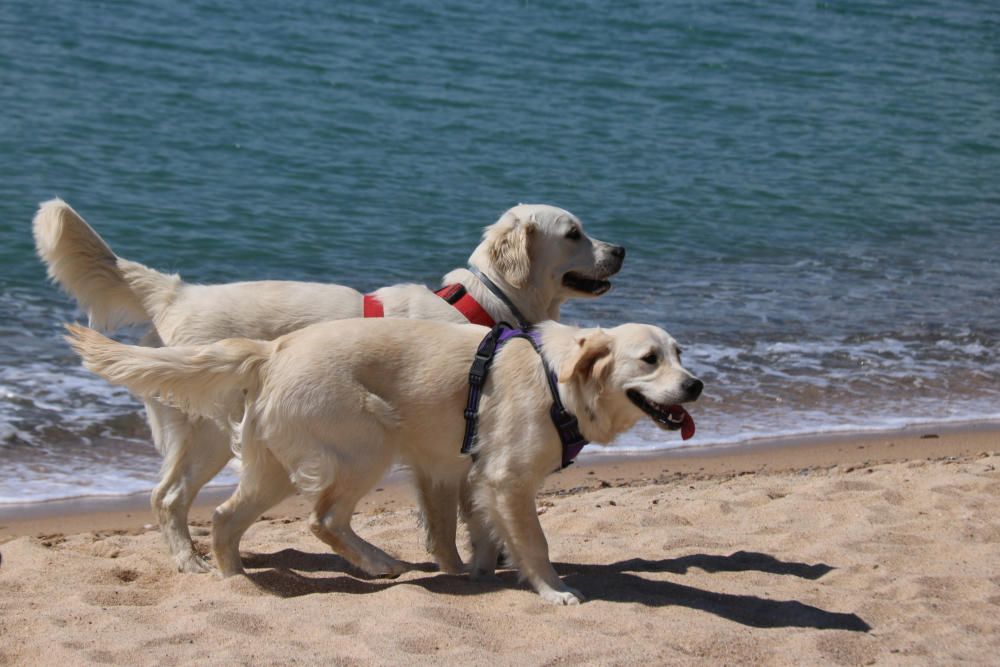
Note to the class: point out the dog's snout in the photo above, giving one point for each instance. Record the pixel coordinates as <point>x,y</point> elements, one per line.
<point>618,251</point>
<point>693,387</point>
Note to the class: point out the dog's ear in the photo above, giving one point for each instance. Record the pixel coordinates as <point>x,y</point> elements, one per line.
<point>509,243</point>
<point>591,358</point>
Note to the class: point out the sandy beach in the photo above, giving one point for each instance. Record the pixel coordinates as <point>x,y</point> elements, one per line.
<point>850,550</point>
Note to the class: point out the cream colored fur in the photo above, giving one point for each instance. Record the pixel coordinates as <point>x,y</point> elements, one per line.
<point>191,381</point>
<point>526,252</point>
<point>83,264</point>
<point>326,409</point>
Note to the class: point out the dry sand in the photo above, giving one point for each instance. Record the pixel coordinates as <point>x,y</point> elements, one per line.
<point>877,550</point>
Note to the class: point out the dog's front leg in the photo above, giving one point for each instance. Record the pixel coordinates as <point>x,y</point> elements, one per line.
<point>439,503</point>
<point>516,516</point>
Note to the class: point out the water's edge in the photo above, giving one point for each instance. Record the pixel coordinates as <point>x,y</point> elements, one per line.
<point>213,494</point>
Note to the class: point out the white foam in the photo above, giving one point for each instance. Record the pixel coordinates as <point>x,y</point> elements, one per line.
<point>755,389</point>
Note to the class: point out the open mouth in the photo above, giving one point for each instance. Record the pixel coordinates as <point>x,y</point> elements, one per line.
<point>581,283</point>
<point>670,417</point>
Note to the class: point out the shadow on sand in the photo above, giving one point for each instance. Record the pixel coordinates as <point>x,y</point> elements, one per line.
<point>279,574</point>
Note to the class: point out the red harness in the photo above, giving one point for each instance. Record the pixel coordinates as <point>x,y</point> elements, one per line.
<point>455,295</point>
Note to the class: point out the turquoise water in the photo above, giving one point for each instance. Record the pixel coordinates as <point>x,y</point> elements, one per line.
<point>808,191</point>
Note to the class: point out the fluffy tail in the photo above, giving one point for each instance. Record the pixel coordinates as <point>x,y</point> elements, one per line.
<point>113,291</point>
<point>200,380</point>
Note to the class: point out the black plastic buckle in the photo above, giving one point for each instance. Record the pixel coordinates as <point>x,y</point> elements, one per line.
<point>566,423</point>
<point>484,356</point>
<point>478,371</point>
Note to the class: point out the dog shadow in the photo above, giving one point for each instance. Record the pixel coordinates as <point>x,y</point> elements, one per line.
<point>618,582</point>
<point>739,561</point>
<point>279,574</point>
<point>293,559</point>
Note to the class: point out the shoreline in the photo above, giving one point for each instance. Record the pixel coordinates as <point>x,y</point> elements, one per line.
<point>863,551</point>
<point>132,514</point>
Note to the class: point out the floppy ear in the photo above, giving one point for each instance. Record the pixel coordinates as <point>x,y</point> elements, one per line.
<point>507,242</point>
<point>592,358</point>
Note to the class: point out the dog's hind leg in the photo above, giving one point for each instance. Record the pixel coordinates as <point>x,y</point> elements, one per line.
<point>263,484</point>
<point>194,452</point>
<point>439,503</point>
<point>330,520</point>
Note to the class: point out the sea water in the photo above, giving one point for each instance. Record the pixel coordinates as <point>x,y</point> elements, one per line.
<point>809,192</point>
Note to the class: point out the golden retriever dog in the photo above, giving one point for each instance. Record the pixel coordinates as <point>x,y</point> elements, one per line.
<point>327,409</point>
<point>535,256</point>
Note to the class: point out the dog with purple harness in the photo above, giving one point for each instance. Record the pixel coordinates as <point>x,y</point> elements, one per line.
<point>325,410</point>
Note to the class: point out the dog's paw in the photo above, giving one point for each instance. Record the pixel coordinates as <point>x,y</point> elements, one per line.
<point>398,568</point>
<point>192,563</point>
<point>387,569</point>
<point>453,568</point>
<point>484,576</point>
<point>566,597</point>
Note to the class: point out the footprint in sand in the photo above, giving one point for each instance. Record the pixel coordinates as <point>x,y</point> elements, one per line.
<point>348,629</point>
<point>121,597</point>
<point>893,497</point>
<point>651,520</point>
<point>173,640</point>
<point>114,577</point>
<point>238,621</point>
<point>450,617</point>
<point>422,645</point>
<point>848,650</point>
<point>121,587</point>
<point>853,485</point>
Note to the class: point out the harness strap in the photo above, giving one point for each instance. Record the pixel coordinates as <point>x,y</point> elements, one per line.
<point>459,298</point>
<point>498,293</point>
<point>477,378</point>
<point>456,296</point>
<point>565,422</point>
<point>372,306</point>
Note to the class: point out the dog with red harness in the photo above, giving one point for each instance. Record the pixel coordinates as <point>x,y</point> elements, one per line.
<point>532,260</point>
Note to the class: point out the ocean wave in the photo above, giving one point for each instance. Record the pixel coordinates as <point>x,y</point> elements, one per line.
<point>65,432</point>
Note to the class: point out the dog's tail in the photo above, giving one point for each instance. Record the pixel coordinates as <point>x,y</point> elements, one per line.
<point>201,380</point>
<point>113,291</point>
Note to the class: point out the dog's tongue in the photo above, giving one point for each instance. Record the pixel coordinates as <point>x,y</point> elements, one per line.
<point>679,414</point>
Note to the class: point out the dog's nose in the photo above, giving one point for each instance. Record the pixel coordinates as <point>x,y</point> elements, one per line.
<point>618,251</point>
<point>693,387</point>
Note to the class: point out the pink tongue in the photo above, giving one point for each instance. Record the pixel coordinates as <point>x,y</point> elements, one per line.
<point>687,423</point>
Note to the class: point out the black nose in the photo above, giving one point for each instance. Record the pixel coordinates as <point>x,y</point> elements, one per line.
<point>693,387</point>
<point>618,251</point>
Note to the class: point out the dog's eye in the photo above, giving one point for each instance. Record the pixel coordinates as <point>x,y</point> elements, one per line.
<point>574,234</point>
<point>651,358</point>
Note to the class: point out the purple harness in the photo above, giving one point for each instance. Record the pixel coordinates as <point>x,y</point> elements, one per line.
<point>565,423</point>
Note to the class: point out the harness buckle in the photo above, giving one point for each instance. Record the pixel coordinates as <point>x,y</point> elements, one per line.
<point>452,294</point>
<point>484,357</point>
<point>561,417</point>
<point>566,423</point>
<point>479,368</point>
